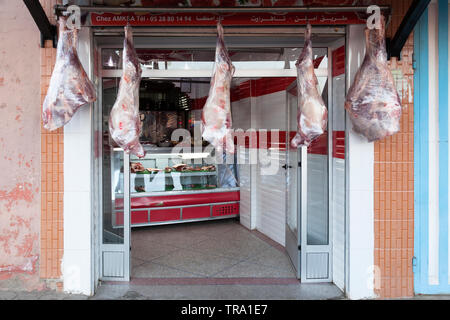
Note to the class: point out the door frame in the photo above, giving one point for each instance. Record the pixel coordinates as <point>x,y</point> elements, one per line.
<point>148,73</point>
<point>293,250</point>
<point>302,189</point>
<point>431,30</point>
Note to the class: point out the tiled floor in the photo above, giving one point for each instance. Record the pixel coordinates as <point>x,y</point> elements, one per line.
<point>213,249</point>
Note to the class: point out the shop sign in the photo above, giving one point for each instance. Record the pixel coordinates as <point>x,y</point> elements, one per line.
<point>229,19</point>
<point>225,3</point>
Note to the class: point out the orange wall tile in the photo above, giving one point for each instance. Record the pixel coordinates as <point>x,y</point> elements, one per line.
<point>52,175</point>
<point>394,184</point>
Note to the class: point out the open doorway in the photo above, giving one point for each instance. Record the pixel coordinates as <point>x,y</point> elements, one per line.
<point>186,215</point>
<point>209,222</point>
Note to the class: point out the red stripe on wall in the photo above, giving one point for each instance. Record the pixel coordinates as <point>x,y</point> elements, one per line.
<point>339,144</point>
<point>261,139</point>
<point>266,140</point>
<point>260,87</point>
<point>318,61</point>
<point>256,140</point>
<point>338,57</point>
<point>197,104</point>
<point>251,88</point>
<point>320,145</point>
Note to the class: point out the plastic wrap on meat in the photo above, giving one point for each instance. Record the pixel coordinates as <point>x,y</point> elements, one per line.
<point>372,101</point>
<point>124,121</point>
<point>70,87</point>
<point>216,116</point>
<point>312,116</point>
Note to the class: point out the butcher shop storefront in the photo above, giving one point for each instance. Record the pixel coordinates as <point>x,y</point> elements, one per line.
<point>224,119</point>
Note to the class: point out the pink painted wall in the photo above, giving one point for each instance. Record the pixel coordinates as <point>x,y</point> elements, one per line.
<point>19,148</point>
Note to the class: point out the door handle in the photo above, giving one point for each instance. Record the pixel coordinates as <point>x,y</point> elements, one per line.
<point>285,167</point>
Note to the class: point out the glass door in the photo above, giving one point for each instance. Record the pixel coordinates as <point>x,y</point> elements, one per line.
<point>115,195</point>
<point>293,183</point>
<point>316,259</point>
<point>114,174</point>
<point>307,198</point>
<point>115,255</point>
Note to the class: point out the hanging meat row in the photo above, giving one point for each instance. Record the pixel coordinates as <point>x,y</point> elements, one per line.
<point>216,115</point>
<point>70,87</point>
<point>124,121</point>
<point>372,101</point>
<point>312,114</point>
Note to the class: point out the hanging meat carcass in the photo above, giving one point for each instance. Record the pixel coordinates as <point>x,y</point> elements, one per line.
<point>216,116</point>
<point>312,115</point>
<point>372,102</point>
<point>124,120</point>
<point>70,87</point>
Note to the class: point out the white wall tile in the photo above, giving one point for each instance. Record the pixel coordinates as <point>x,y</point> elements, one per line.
<point>360,191</point>
<point>76,270</point>
<point>77,162</point>
<point>338,209</point>
<point>77,264</point>
<point>77,221</point>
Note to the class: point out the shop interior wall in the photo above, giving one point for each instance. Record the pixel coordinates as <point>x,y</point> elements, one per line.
<point>241,113</point>
<point>271,188</point>
<point>20,162</point>
<point>262,196</point>
<point>338,166</point>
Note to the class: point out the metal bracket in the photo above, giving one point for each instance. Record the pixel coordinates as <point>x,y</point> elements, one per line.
<point>48,31</point>
<point>414,264</point>
<point>410,20</point>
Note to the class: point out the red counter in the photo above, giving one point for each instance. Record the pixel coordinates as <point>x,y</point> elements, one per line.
<point>165,209</point>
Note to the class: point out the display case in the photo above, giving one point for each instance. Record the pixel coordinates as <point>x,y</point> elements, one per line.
<point>162,170</point>
<point>171,187</point>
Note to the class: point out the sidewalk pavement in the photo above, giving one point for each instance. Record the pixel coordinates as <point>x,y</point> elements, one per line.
<point>131,295</point>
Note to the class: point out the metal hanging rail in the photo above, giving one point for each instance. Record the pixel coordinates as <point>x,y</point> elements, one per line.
<point>232,31</point>
<point>59,9</point>
<point>407,25</point>
<point>48,31</point>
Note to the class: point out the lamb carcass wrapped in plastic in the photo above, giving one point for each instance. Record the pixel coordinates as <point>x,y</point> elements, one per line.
<point>70,87</point>
<point>216,116</point>
<point>124,121</point>
<point>372,102</point>
<point>312,116</point>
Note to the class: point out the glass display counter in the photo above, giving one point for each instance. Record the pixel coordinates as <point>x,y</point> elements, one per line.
<point>172,187</point>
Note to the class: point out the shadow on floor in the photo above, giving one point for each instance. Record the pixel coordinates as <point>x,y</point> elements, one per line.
<point>217,260</point>
<point>213,249</point>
